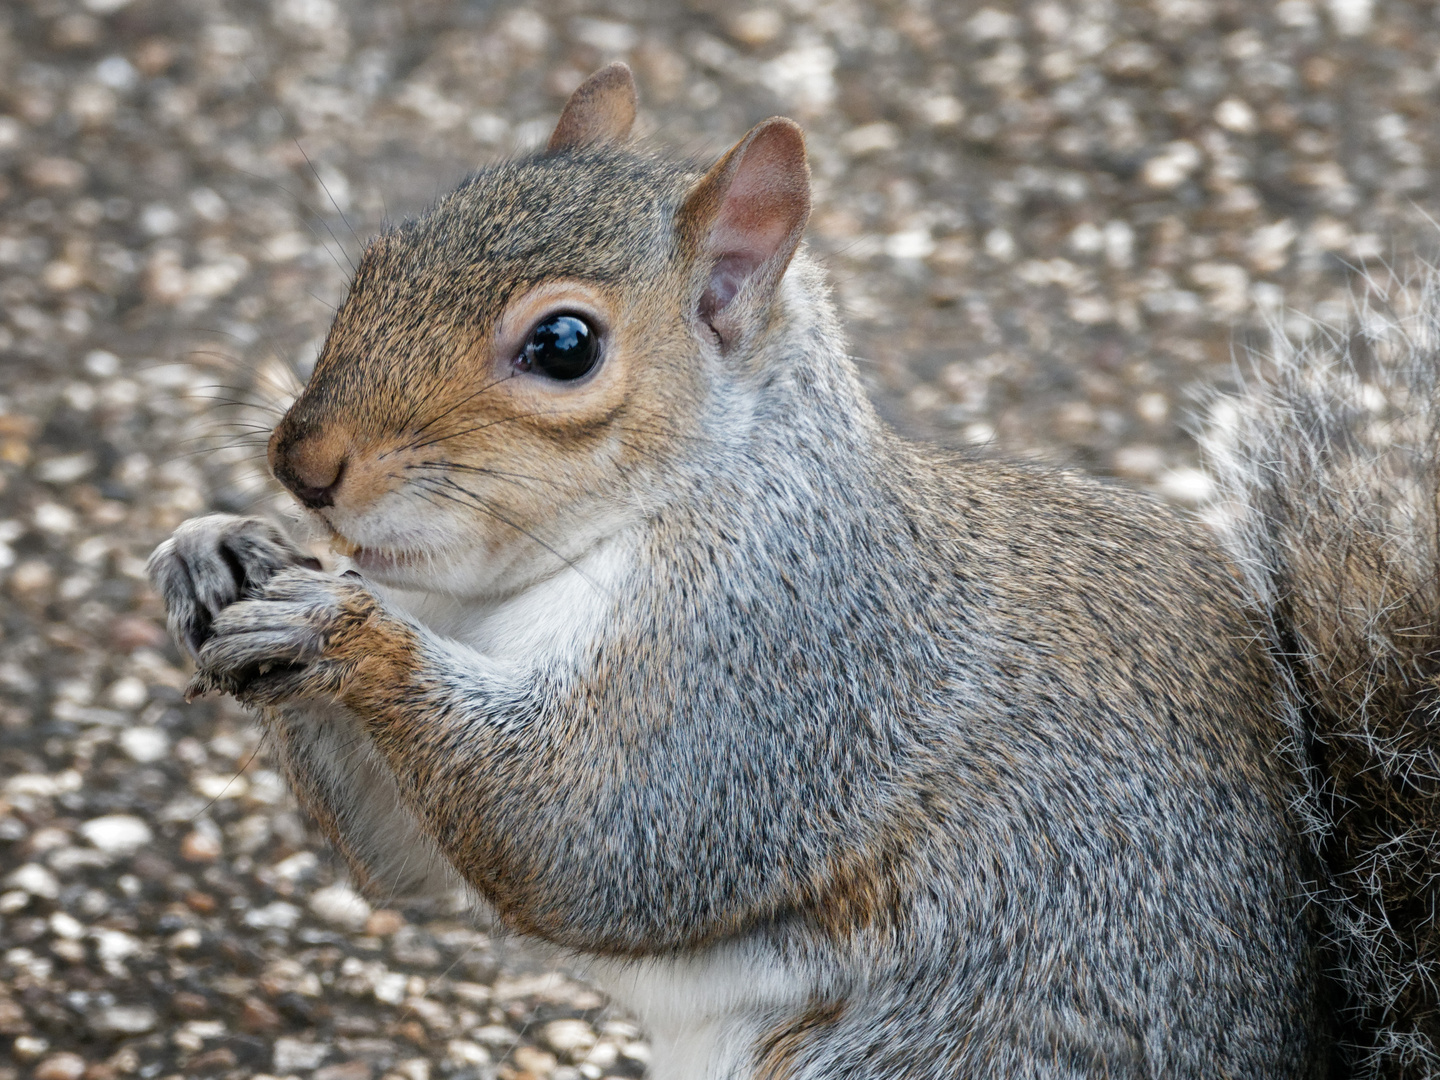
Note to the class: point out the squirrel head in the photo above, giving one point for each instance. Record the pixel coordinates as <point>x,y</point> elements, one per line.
<point>509,368</point>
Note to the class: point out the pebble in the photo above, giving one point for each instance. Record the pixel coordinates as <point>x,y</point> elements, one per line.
<point>125,1020</point>
<point>130,632</point>
<point>62,1066</point>
<point>189,1004</point>
<point>36,880</point>
<point>345,1070</point>
<point>216,787</point>
<point>278,915</point>
<point>64,925</point>
<point>117,834</point>
<point>534,1061</point>
<point>341,906</point>
<point>569,1038</point>
<point>200,846</point>
<point>144,745</point>
<point>756,27</point>
<point>464,1052</point>
<point>128,693</point>
<point>29,1047</point>
<point>298,1055</point>
<point>220,1059</point>
<point>384,922</point>
<point>257,1016</point>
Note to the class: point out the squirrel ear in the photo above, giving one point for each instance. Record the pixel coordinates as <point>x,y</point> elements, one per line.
<point>602,109</point>
<point>745,218</point>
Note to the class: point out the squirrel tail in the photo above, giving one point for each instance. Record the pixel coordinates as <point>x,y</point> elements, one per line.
<point>1328,471</point>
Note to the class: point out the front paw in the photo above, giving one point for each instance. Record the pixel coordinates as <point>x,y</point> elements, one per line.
<point>210,563</point>
<point>306,634</point>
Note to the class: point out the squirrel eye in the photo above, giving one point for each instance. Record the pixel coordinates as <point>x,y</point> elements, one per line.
<point>562,347</point>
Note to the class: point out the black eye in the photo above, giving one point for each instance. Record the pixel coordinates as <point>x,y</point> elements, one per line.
<point>562,347</point>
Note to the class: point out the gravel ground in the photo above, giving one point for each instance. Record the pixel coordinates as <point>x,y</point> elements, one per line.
<point>1049,224</point>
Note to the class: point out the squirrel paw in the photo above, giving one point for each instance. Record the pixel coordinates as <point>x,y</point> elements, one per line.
<point>303,635</point>
<point>210,563</point>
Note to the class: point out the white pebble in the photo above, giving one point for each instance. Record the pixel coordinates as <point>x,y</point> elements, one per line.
<point>999,244</point>
<point>297,1055</point>
<point>63,470</point>
<point>391,987</point>
<point>117,73</point>
<point>296,866</point>
<point>29,1047</point>
<point>215,786</point>
<point>117,834</point>
<point>144,744</point>
<point>341,906</point>
<point>990,24</point>
<point>126,1020</point>
<point>910,244</point>
<point>1172,166</point>
<point>54,518</point>
<point>804,77</point>
<point>465,1052</point>
<point>525,28</point>
<point>35,880</point>
<point>66,926</point>
<point>1351,17</point>
<point>569,1036</point>
<point>1235,115</point>
<point>759,26</point>
<point>278,915</point>
<point>870,139</point>
<point>102,364</point>
<point>113,946</point>
<point>128,693</point>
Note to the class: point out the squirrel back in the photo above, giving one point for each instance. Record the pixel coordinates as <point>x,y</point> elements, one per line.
<point>1329,477</point>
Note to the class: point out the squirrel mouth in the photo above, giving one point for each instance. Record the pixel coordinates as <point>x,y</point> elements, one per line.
<point>342,545</point>
<point>371,559</point>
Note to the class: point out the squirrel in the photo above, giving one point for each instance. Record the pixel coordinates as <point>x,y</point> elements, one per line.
<point>827,754</point>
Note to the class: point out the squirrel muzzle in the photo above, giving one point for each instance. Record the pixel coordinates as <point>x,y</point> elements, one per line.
<point>311,464</point>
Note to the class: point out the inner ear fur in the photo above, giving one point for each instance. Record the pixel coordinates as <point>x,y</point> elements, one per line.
<point>602,109</point>
<point>745,218</point>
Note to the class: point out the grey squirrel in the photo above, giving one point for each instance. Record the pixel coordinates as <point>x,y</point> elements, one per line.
<point>830,755</point>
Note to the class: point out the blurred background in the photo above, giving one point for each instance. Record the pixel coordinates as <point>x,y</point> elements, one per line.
<point>1050,225</point>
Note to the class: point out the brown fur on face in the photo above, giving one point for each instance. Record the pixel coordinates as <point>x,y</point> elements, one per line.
<point>418,398</point>
<point>415,394</point>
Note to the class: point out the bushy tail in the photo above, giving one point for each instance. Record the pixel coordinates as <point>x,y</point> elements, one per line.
<point>1329,475</point>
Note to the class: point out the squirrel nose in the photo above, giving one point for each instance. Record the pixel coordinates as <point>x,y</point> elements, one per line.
<point>310,467</point>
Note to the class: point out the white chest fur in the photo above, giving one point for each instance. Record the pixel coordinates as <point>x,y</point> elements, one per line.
<point>705,1014</point>
<point>548,623</point>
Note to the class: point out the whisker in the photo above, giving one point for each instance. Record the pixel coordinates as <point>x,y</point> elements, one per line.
<point>479,503</point>
<point>463,401</point>
<point>472,430</point>
<point>446,466</point>
<point>301,201</point>
<point>325,188</point>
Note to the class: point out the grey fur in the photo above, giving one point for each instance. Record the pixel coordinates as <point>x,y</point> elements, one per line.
<point>1329,470</point>
<point>982,756</point>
